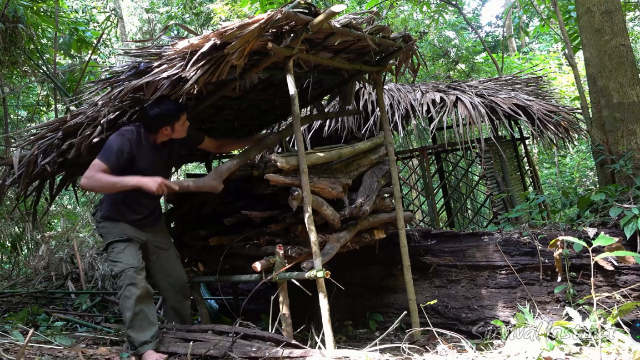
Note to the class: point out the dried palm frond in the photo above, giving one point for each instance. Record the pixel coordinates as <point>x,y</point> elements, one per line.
<point>228,77</point>
<point>469,108</point>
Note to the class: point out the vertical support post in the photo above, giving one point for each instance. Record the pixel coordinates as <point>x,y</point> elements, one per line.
<point>306,206</point>
<point>506,177</point>
<point>236,299</point>
<point>203,311</point>
<point>534,170</point>
<point>516,152</point>
<point>443,181</point>
<point>283,296</point>
<point>433,207</point>
<point>397,199</point>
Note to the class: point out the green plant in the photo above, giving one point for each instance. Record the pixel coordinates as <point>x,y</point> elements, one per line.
<point>504,331</point>
<point>531,211</point>
<point>608,243</point>
<point>373,319</point>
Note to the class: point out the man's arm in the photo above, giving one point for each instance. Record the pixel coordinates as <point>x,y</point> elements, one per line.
<point>98,178</point>
<point>223,146</point>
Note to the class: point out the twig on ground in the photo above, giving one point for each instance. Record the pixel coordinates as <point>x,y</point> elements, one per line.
<point>189,352</point>
<point>24,346</point>
<point>395,324</point>
<point>79,260</point>
<point>467,345</point>
<point>5,356</point>
<point>615,292</point>
<point>515,272</point>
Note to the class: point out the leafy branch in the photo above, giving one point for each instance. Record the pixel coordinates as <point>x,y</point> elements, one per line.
<point>456,6</point>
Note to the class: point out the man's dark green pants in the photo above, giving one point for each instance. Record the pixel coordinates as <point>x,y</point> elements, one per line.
<point>138,257</point>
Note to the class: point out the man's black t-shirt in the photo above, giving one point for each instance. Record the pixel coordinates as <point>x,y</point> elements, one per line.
<point>131,151</point>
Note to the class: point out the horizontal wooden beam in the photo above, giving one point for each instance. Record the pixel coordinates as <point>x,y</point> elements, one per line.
<point>286,52</point>
<point>452,144</point>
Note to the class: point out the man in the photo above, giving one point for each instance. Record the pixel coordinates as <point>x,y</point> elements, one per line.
<point>132,170</point>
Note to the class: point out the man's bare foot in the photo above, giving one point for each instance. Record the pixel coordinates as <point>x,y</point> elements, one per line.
<point>153,355</point>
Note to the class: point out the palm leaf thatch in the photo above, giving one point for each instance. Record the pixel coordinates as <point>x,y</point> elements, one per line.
<point>468,109</point>
<point>232,80</point>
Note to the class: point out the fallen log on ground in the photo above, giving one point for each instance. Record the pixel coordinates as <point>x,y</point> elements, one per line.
<point>470,277</point>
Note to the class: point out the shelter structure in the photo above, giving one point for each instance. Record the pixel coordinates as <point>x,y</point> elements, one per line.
<point>316,81</point>
<point>270,72</point>
<point>463,149</point>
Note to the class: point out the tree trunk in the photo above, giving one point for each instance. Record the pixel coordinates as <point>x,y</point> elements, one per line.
<point>469,275</point>
<point>523,38</point>
<point>614,87</point>
<point>508,24</point>
<point>55,60</point>
<point>5,117</point>
<point>122,29</point>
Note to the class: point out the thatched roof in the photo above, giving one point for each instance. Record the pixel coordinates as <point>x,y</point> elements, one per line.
<point>232,79</point>
<point>468,108</point>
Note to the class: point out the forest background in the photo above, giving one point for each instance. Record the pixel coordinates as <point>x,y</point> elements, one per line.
<point>50,47</point>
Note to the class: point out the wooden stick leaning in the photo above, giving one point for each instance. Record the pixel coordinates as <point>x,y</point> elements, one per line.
<point>397,197</point>
<point>318,204</point>
<point>308,212</point>
<point>213,181</point>
<point>337,240</point>
<point>283,296</point>
<point>24,346</point>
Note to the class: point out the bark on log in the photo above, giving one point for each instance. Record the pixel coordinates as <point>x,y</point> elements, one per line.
<point>327,187</point>
<point>470,278</point>
<point>213,181</point>
<point>227,329</point>
<point>257,250</point>
<point>384,204</point>
<point>203,311</point>
<point>283,296</point>
<point>351,167</point>
<point>289,161</point>
<point>337,240</point>
<point>318,204</point>
<point>292,219</point>
<point>264,264</point>
<point>364,238</point>
<point>223,347</point>
<point>372,181</point>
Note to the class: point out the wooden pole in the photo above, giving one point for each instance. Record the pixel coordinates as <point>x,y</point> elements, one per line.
<point>308,215</point>
<point>283,296</point>
<point>433,206</point>
<point>397,199</point>
<point>327,15</point>
<point>285,52</point>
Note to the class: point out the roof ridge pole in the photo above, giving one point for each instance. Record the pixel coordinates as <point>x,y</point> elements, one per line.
<point>397,199</point>
<point>308,215</point>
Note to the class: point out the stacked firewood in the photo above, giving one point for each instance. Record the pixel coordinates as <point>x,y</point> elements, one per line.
<point>261,207</point>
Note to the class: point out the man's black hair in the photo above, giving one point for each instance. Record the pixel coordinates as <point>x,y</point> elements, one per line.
<point>161,112</point>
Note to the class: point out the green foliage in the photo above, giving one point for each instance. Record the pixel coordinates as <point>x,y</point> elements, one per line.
<point>373,319</point>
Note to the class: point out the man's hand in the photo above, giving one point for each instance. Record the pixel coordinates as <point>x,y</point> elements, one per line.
<point>157,185</point>
<point>98,178</point>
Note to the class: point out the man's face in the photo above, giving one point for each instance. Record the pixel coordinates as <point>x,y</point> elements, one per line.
<point>179,129</point>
